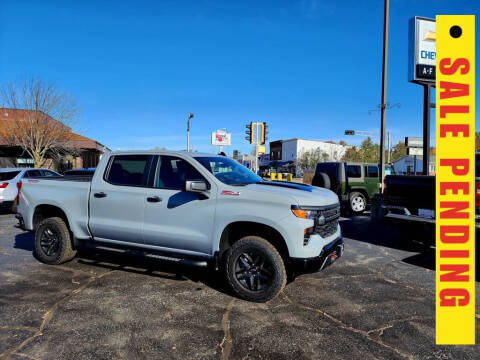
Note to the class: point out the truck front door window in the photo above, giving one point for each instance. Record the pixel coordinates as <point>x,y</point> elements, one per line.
<point>173,172</point>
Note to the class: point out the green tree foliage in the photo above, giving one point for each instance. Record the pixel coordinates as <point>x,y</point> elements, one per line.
<point>309,159</point>
<point>398,151</point>
<point>369,151</point>
<point>352,154</point>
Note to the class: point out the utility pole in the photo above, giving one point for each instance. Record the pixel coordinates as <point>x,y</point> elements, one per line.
<point>383,112</point>
<point>426,128</point>
<point>190,115</point>
<point>389,148</point>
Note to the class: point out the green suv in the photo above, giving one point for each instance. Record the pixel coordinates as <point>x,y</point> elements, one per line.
<point>354,183</point>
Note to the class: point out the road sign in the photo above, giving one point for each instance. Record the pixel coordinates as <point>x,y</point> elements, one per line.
<point>349,132</point>
<point>422,50</point>
<point>417,151</point>
<point>413,141</point>
<point>221,138</point>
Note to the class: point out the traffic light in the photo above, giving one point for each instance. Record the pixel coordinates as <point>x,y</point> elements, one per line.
<point>263,133</point>
<point>349,132</point>
<point>250,133</point>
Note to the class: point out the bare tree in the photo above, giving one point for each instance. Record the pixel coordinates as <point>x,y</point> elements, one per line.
<point>40,120</point>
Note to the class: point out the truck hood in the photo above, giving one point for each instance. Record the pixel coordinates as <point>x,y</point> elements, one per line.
<point>304,195</point>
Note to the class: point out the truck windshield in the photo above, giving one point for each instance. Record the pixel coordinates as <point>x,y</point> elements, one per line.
<point>228,171</point>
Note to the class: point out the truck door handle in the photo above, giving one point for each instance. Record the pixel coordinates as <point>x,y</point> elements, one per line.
<point>100,195</point>
<point>153,199</point>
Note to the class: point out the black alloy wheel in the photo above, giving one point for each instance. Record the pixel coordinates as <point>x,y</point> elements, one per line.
<point>50,242</point>
<point>53,241</point>
<point>253,271</point>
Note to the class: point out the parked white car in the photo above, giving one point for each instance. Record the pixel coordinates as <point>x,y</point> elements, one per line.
<point>10,177</point>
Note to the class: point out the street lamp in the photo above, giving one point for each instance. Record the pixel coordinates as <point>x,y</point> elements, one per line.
<point>190,115</point>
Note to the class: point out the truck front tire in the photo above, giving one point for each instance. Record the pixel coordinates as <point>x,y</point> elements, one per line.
<point>255,270</point>
<point>53,243</point>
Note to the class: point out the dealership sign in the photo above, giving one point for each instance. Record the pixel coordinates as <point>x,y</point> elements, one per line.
<point>422,50</point>
<point>221,138</point>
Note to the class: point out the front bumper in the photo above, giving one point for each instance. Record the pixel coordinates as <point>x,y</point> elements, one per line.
<point>329,254</point>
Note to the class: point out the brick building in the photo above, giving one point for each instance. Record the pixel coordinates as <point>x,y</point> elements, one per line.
<point>82,151</point>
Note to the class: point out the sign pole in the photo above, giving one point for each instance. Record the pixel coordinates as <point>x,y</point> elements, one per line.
<point>383,105</point>
<point>426,128</point>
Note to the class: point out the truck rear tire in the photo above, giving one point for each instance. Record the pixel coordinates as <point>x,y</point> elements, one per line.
<point>53,243</point>
<point>357,202</point>
<point>255,270</point>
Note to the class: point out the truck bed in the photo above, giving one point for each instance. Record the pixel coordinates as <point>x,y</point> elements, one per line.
<point>70,194</point>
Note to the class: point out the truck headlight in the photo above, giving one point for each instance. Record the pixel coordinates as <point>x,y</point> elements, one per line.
<point>304,214</point>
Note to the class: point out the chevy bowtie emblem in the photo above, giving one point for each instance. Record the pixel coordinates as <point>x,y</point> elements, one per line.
<point>321,220</point>
<point>430,36</point>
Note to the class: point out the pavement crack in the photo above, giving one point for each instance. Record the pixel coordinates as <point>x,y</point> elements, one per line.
<point>379,331</point>
<point>47,316</point>
<point>344,326</point>
<point>226,344</point>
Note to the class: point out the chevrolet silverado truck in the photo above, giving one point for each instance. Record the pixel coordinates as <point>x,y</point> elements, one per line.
<point>191,208</point>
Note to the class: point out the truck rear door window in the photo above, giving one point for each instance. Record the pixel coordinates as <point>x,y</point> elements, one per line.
<point>372,171</point>
<point>129,170</point>
<point>354,171</point>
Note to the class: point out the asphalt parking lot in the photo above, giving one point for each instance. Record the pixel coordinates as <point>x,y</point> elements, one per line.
<point>377,302</point>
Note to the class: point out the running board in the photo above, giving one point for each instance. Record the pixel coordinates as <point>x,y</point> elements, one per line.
<point>188,261</point>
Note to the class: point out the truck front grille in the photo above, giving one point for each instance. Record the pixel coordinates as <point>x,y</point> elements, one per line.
<point>327,221</point>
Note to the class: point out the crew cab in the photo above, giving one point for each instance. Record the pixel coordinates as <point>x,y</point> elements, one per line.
<point>198,209</point>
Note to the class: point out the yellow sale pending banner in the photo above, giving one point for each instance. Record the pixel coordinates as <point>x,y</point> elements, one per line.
<point>455,179</point>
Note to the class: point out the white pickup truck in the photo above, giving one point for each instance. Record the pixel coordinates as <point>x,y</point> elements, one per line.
<point>194,208</point>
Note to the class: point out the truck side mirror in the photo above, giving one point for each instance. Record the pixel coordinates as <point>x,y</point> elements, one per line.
<point>196,186</point>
